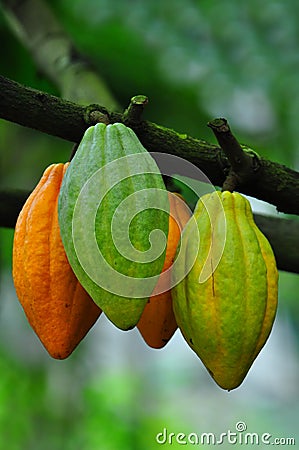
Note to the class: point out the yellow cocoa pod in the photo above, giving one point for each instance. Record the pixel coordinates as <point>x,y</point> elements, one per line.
<point>226,305</point>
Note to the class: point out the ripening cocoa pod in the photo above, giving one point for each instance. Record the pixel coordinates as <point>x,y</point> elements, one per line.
<point>113,208</point>
<point>57,307</point>
<point>157,323</point>
<point>226,305</point>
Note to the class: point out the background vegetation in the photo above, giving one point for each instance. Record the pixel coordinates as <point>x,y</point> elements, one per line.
<point>195,61</point>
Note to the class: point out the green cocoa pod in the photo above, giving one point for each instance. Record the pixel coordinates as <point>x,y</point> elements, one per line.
<point>226,305</point>
<point>113,216</point>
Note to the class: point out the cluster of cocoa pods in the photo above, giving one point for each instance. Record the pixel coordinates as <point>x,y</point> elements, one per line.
<point>224,303</point>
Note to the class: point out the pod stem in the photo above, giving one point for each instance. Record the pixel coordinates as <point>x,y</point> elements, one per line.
<point>94,114</point>
<point>244,163</point>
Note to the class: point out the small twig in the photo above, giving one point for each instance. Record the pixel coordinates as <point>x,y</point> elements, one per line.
<point>133,113</point>
<point>243,164</point>
<point>228,142</point>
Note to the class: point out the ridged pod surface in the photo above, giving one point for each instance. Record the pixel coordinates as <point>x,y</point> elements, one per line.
<point>108,207</point>
<point>227,318</point>
<point>157,323</point>
<point>57,307</point>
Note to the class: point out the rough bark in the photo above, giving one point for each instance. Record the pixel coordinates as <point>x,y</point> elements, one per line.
<point>273,183</point>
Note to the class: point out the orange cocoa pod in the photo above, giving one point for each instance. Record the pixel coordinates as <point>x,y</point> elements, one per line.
<point>157,323</point>
<point>57,307</point>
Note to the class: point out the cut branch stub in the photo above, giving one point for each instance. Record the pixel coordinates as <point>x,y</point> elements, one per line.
<point>133,114</point>
<point>244,163</point>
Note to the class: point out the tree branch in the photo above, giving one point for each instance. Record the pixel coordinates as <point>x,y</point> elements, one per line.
<point>11,203</point>
<point>274,183</point>
<point>40,111</point>
<point>283,234</point>
<point>33,22</point>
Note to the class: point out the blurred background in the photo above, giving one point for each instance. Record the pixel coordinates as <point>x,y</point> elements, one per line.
<point>195,61</point>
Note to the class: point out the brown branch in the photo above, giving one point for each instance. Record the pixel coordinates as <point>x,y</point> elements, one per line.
<point>274,183</point>
<point>283,234</point>
<point>11,203</point>
<point>45,112</point>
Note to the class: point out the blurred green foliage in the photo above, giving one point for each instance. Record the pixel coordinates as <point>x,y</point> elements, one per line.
<point>195,61</point>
